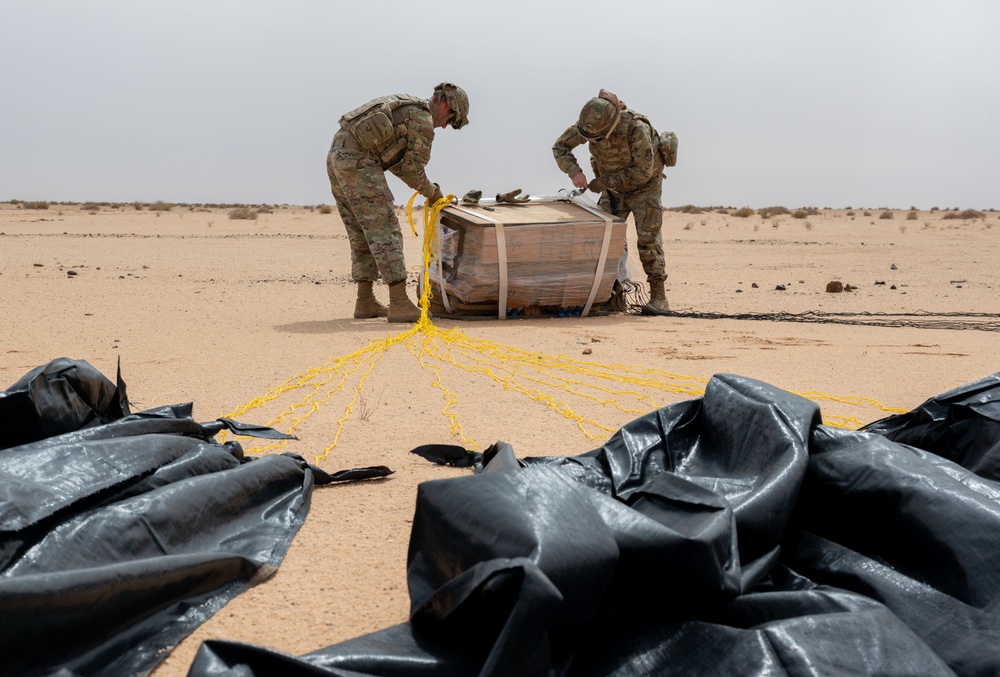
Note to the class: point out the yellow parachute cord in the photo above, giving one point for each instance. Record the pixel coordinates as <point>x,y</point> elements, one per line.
<point>545,379</point>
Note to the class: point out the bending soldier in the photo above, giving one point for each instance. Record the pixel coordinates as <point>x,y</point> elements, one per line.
<point>391,133</point>
<point>628,173</point>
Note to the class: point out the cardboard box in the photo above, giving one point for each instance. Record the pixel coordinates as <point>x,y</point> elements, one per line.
<point>552,249</point>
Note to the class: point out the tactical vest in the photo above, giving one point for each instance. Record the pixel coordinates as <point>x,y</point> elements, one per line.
<point>615,155</point>
<point>377,125</point>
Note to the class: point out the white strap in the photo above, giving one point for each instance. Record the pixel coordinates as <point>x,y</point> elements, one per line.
<point>604,253</point>
<point>501,258</point>
<point>440,269</point>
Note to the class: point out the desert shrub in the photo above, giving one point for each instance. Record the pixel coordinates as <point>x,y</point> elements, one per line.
<point>90,207</point>
<point>867,213</point>
<point>911,216</point>
<point>965,214</point>
<point>264,209</point>
<point>768,212</point>
<point>35,205</point>
<point>799,214</point>
<point>690,209</point>
<point>887,214</point>
<point>743,212</point>
<point>243,213</point>
<point>325,209</point>
<point>160,206</point>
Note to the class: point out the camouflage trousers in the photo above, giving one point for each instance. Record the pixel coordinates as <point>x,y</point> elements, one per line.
<point>366,207</point>
<point>646,207</point>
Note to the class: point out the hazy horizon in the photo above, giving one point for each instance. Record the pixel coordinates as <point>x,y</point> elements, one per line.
<point>870,105</point>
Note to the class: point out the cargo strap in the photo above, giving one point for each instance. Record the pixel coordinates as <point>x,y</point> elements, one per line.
<point>604,253</point>
<point>439,268</point>
<point>501,258</point>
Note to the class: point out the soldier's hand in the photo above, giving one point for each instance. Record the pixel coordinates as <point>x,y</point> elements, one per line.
<point>579,180</point>
<point>596,186</point>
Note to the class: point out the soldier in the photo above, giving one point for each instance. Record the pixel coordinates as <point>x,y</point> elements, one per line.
<point>391,133</point>
<point>628,173</point>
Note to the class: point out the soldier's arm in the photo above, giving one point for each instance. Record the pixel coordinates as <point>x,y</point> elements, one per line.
<point>419,136</point>
<point>640,143</point>
<point>563,151</point>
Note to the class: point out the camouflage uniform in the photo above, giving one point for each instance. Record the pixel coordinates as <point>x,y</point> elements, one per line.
<point>631,169</point>
<point>358,184</point>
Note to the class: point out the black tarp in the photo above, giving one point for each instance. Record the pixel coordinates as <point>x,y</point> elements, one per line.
<point>122,532</point>
<point>729,535</point>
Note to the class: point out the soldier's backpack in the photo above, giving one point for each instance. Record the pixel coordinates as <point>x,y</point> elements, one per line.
<point>666,143</point>
<point>372,124</point>
<point>668,148</point>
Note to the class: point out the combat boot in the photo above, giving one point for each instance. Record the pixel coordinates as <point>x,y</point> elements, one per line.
<point>401,308</point>
<point>367,305</point>
<point>657,299</point>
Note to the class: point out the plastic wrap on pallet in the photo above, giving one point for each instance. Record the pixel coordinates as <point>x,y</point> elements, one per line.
<point>556,254</point>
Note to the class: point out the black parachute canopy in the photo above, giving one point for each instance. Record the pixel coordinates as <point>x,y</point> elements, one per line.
<point>729,535</point>
<point>120,533</point>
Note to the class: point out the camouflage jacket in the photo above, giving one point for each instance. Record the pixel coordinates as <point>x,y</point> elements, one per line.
<point>626,161</point>
<point>413,133</point>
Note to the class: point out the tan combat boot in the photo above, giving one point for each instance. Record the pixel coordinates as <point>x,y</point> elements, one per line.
<point>657,299</point>
<point>401,308</point>
<point>367,305</point>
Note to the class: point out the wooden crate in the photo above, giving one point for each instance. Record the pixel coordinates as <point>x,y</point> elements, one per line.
<point>551,252</point>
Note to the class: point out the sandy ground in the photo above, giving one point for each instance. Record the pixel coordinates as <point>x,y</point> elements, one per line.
<point>199,307</point>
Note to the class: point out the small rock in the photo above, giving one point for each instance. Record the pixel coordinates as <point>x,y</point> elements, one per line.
<point>881,282</point>
<point>848,287</point>
<point>892,287</point>
<point>587,351</point>
<point>71,273</point>
<point>834,287</point>
<point>893,267</point>
<point>754,285</point>
<point>780,287</point>
<point>957,281</point>
<point>739,291</point>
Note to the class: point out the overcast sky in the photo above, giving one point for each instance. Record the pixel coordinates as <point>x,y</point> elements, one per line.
<point>862,103</point>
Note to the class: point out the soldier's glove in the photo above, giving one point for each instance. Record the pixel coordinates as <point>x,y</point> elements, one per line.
<point>472,197</point>
<point>438,195</point>
<point>512,197</point>
<point>597,186</point>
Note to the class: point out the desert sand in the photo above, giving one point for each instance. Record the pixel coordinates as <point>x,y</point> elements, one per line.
<point>202,308</point>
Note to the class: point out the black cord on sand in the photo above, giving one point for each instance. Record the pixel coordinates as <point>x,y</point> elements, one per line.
<point>633,297</point>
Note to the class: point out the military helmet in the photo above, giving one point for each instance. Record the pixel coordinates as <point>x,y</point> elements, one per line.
<point>598,118</point>
<point>458,101</point>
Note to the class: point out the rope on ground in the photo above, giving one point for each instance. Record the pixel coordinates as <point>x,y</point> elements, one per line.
<point>920,319</point>
<point>547,379</point>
